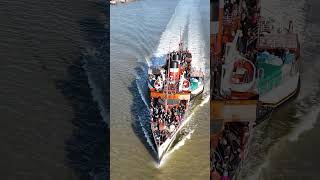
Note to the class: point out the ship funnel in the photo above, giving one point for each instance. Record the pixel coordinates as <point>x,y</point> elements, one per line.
<point>174,57</point>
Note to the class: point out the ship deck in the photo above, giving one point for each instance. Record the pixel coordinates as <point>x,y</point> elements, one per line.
<point>283,92</point>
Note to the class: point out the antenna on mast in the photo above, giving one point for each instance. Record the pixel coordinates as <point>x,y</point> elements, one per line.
<point>180,33</point>
<point>180,41</point>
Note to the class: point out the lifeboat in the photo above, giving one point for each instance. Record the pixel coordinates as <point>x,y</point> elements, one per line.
<point>243,75</point>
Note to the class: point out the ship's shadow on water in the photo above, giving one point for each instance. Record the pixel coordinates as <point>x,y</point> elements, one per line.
<point>140,113</point>
<point>87,150</point>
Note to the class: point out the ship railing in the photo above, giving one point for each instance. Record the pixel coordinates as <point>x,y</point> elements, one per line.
<point>227,19</point>
<point>271,82</point>
<point>275,19</point>
<point>255,31</point>
<point>295,68</point>
<point>238,171</point>
<point>245,153</point>
<point>264,25</point>
<point>230,19</point>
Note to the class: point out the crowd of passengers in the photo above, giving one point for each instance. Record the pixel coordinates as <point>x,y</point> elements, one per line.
<point>181,56</point>
<point>247,41</point>
<point>230,7</point>
<point>165,121</point>
<point>226,157</point>
<point>248,26</point>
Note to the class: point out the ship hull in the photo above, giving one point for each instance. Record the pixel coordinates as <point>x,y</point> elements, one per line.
<point>164,148</point>
<point>172,83</point>
<point>197,92</point>
<point>279,96</point>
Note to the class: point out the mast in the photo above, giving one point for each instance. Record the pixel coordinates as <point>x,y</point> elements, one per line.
<point>167,80</point>
<point>180,55</point>
<point>180,41</point>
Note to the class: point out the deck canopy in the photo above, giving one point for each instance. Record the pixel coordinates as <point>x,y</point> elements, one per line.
<point>234,110</point>
<point>196,73</point>
<point>278,41</point>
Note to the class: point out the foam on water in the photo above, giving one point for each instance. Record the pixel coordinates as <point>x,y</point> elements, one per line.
<point>186,137</point>
<point>195,39</point>
<point>142,94</point>
<point>179,144</point>
<point>96,94</point>
<point>175,148</point>
<point>170,38</point>
<point>146,135</point>
<point>307,123</point>
<point>308,118</point>
<point>282,12</point>
<point>187,11</point>
<point>196,45</point>
<point>205,101</point>
<point>257,174</point>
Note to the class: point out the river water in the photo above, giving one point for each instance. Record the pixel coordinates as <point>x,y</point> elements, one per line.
<point>139,30</point>
<point>53,71</point>
<point>287,146</point>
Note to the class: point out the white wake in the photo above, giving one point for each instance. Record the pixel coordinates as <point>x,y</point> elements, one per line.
<point>170,38</point>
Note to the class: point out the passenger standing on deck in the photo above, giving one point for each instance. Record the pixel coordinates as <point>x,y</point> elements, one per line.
<point>225,175</point>
<point>215,80</point>
<point>177,118</point>
<point>162,109</point>
<point>151,111</point>
<point>290,28</point>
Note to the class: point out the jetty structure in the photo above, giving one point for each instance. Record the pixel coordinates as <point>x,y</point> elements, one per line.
<point>114,2</point>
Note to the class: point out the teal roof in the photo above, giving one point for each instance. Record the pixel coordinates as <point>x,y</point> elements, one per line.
<point>269,70</point>
<point>194,84</point>
<point>271,77</point>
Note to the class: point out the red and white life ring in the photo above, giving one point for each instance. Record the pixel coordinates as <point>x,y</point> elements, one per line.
<point>185,85</point>
<point>158,84</point>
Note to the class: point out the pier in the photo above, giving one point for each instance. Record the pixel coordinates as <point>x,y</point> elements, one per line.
<point>114,2</point>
